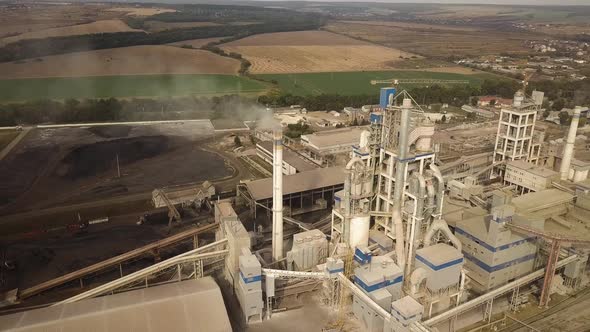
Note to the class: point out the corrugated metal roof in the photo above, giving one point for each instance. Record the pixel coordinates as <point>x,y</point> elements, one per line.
<point>539,200</point>
<point>532,168</point>
<point>314,179</point>
<point>290,157</point>
<point>333,138</point>
<point>193,305</point>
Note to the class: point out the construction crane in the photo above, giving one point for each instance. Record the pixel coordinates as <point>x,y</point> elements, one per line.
<point>173,213</point>
<point>556,241</point>
<point>396,82</point>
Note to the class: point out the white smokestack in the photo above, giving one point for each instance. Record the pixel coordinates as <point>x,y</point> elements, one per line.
<point>277,198</point>
<point>568,151</point>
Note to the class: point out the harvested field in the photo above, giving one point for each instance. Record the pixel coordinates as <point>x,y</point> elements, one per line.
<point>412,25</point>
<point>139,11</point>
<point>437,43</point>
<point>134,60</point>
<point>106,26</point>
<point>35,16</point>
<point>156,26</point>
<point>312,51</point>
<point>197,43</point>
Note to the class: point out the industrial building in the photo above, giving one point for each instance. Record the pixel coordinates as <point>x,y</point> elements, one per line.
<point>292,161</point>
<point>322,146</point>
<point>404,241</point>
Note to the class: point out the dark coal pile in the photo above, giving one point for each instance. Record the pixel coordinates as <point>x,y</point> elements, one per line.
<point>19,171</point>
<point>94,158</point>
<point>118,131</point>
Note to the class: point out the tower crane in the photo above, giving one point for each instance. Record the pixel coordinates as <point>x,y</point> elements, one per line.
<point>396,82</point>
<point>556,241</point>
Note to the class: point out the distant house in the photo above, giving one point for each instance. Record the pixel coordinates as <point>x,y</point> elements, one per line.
<point>485,101</point>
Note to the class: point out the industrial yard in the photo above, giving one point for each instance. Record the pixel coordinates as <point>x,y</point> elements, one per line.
<point>305,167</point>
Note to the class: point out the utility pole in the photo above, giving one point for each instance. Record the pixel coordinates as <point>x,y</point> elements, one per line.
<point>118,168</point>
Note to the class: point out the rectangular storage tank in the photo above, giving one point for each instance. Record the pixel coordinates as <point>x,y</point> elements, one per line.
<point>442,263</point>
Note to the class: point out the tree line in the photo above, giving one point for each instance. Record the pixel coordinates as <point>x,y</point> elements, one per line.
<point>138,109</point>
<point>456,95</point>
<point>33,48</point>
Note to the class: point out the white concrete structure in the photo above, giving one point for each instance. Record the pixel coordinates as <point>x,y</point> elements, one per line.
<point>528,177</point>
<point>277,202</point>
<point>568,152</point>
<point>514,139</point>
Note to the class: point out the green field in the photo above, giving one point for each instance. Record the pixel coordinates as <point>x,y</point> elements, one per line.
<point>356,83</point>
<point>127,86</point>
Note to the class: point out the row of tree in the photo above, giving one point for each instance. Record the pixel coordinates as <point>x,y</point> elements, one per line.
<point>33,48</point>
<point>104,110</point>
<point>456,95</point>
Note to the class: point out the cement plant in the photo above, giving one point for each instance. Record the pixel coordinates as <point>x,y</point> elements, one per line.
<point>455,202</point>
<point>392,240</point>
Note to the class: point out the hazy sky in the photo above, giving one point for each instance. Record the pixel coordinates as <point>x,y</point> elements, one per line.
<point>488,2</point>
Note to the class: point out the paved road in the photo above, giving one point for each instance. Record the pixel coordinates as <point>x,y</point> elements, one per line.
<point>14,143</point>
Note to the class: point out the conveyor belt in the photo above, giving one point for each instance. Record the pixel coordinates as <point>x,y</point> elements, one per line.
<point>114,261</point>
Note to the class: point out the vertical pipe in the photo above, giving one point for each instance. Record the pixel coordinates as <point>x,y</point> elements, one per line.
<point>568,151</point>
<point>277,198</point>
<point>399,181</point>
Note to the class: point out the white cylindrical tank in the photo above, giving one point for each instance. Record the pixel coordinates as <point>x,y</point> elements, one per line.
<point>365,135</point>
<point>359,231</point>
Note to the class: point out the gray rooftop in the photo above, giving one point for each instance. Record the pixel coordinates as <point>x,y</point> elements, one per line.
<point>160,308</point>
<point>309,180</point>
<point>533,169</point>
<point>439,253</point>
<point>407,306</point>
<point>333,138</point>
<point>290,157</point>
<point>539,200</point>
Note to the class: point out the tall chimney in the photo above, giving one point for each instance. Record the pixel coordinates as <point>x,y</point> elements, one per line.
<point>568,151</point>
<point>277,198</point>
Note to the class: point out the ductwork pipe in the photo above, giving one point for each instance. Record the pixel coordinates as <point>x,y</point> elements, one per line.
<point>568,151</point>
<point>440,188</point>
<point>347,193</point>
<point>416,279</point>
<point>399,182</point>
<point>441,225</point>
<point>419,185</point>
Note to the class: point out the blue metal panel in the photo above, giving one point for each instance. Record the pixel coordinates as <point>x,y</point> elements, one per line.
<point>376,118</point>
<point>498,267</point>
<point>384,96</point>
<point>250,279</point>
<point>336,270</point>
<point>377,286</point>
<point>362,257</point>
<point>439,267</point>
